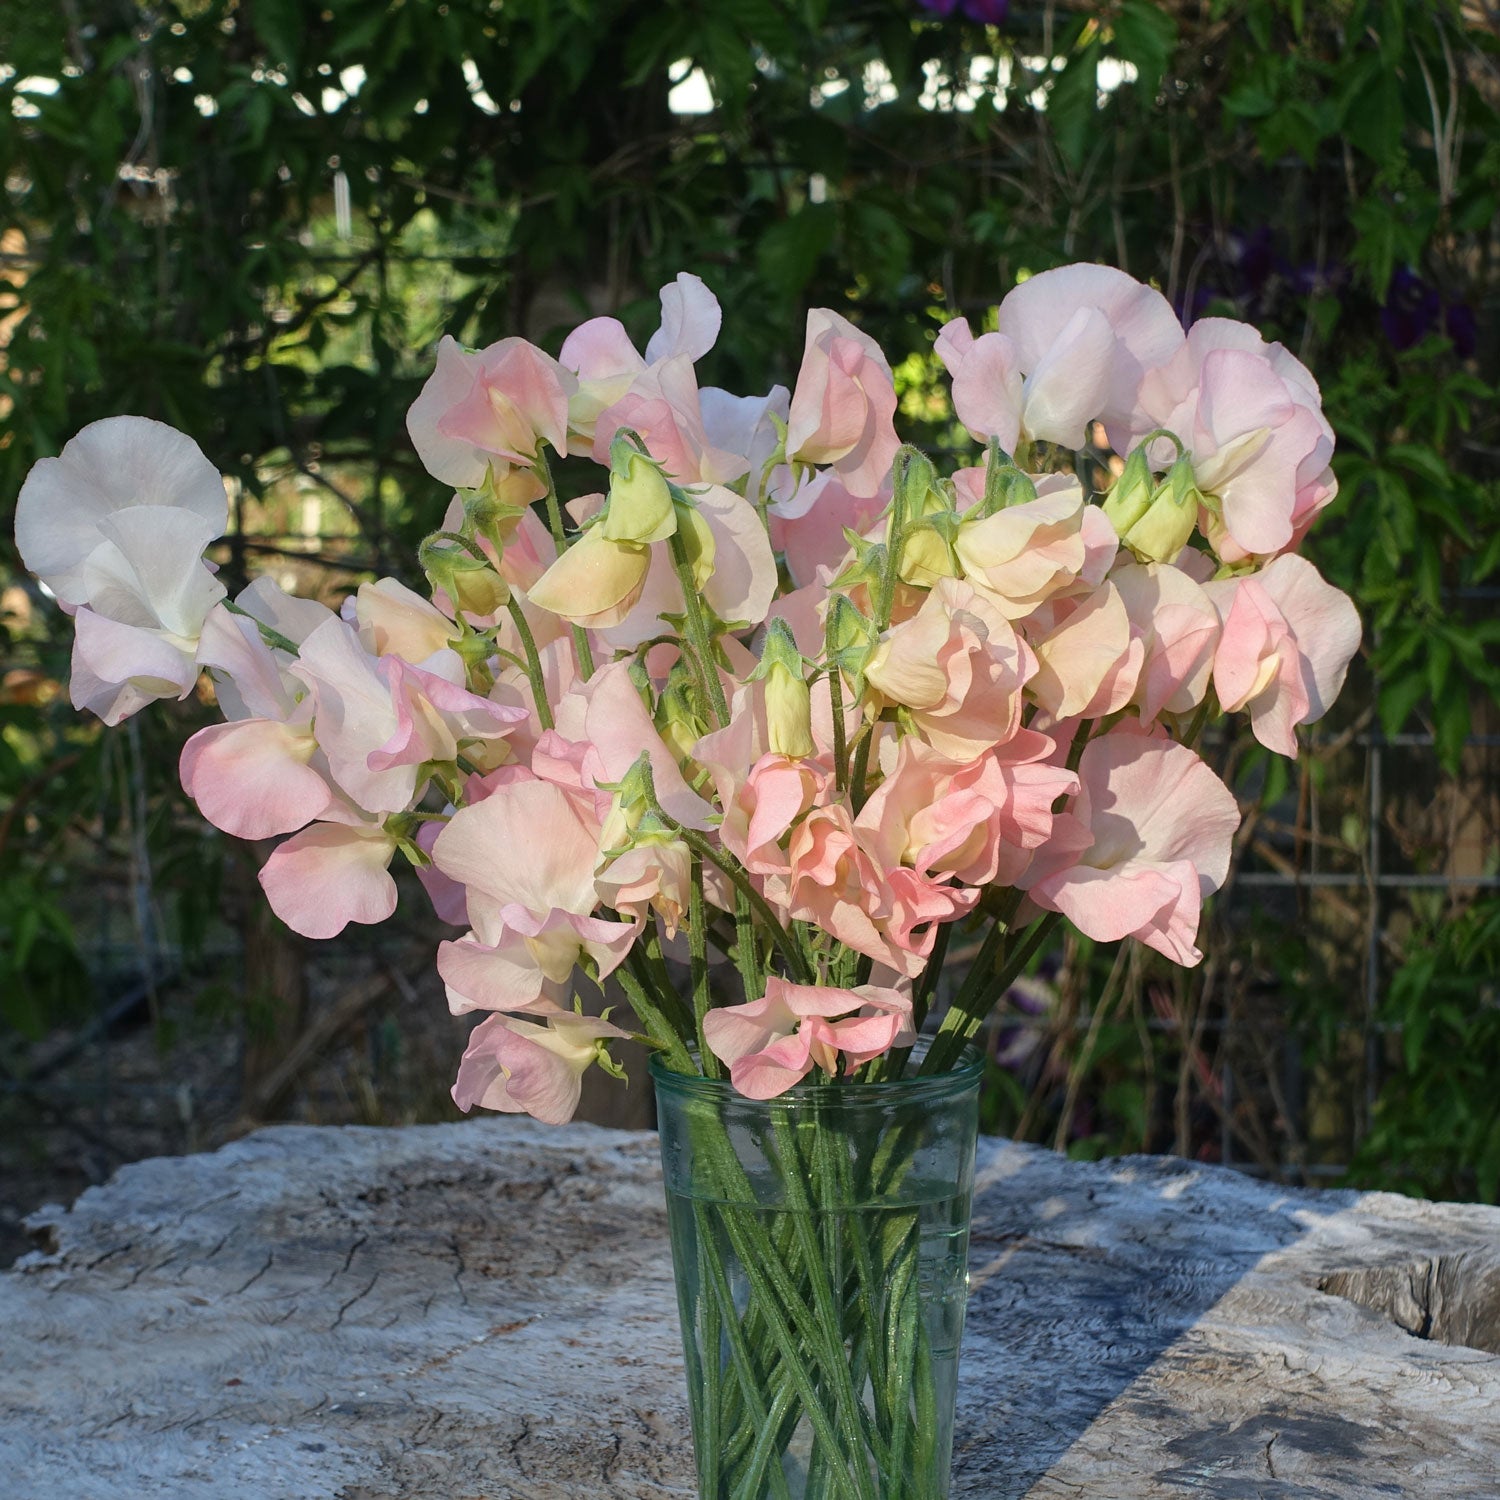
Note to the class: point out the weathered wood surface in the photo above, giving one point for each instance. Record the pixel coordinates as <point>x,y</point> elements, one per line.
<point>485,1311</point>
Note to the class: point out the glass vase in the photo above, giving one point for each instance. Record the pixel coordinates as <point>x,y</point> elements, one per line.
<point>820,1245</point>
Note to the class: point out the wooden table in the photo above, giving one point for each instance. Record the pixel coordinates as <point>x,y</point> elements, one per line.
<point>486,1310</point>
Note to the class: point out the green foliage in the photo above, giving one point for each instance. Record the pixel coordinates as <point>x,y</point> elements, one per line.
<point>1436,1130</point>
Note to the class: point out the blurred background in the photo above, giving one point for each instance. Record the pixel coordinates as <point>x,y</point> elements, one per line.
<point>254,218</point>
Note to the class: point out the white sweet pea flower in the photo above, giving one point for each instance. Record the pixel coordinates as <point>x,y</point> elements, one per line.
<point>115,526</point>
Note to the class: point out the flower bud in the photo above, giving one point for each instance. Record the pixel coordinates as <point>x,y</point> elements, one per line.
<point>640,506</point>
<point>1130,496</point>
<point>472,584</point>
<point>1163,531</point>
<point>914,477</point>
<point>927,553</point>
<point>497,506</point>
<point>788,700</point>
<point>1004,486</point>
<point>701,548</point>
<point>850,637</point>
<point>676,720</point>
<point>632,818</point>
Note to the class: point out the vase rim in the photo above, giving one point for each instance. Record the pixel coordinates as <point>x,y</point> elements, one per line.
<point>841,1093</point>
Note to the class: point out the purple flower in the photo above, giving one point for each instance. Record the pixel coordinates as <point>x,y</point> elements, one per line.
<point>1413,309</point>
<point>985,12</point>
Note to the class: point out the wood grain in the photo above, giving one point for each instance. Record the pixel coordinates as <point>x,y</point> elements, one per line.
<point>485,1311</point>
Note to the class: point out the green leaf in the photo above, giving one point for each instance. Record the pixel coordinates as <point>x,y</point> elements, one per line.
<point>1398,699</point>
<point>280,25</point>
<point>789,251</point>
<point>1146,37</point>
<point>1452,721</point>
<point>1073,103</point>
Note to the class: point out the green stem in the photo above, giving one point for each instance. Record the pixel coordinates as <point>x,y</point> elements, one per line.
<point>698,632</point>
<point>653,1018</point>
<point>269,636</point>
<point>796,959</point>
<point>533,663</point>
<point>698,960</point>
<point>835,1366</point>
<point>959,1026</point>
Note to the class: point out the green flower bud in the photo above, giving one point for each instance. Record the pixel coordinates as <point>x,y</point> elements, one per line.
<point>1004,485</point>
<point>850,637</point>
<point>1163,531</point>
<point>640,507</point>
<point>676,720</point>
<point>701,549</point>
<point>497,506</point>
<point>788,700</point>
<point>632,817</point>
<point>1130,495</point>
<point>914,477</point>
<point>472,584</point>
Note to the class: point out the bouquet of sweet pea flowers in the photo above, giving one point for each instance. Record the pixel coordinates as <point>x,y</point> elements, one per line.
<point>776,693</point>
<point>778,701</point>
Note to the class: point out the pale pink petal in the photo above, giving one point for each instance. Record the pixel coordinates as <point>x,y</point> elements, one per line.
<point>1068,387</point>
<point>523,844</point>
<point>451,458</point>
<point>1324,621</point>
<point>499,976</point>
<point>521,1067</point>
<point>690,320</point>
<point>148,570</point>
<point>743,582</point>
<point>987,388</point>
<point>331,874</point>
<point>252,779</point>
<point>775,1068</point>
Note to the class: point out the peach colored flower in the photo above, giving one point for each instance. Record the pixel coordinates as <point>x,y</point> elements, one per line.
<point>776,1041</point>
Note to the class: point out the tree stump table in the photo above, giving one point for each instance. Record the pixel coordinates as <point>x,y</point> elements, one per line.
<point>485,1311</point>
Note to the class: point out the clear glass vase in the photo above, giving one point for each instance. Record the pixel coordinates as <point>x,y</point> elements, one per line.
<point>820,1244</point>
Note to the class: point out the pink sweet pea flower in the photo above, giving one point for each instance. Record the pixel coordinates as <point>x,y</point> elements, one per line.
<point>115,526</point>
<point>1251,416</point>
<point>259,774</point>
<point>119,464</point>
<point>392,620</point>
<point>380,719</point>
<point>252,777</point>
<point>1155,826</point>
<point>808,527</point>
<point>958,666</point>
<point>844,405</point>
<point>761,794</point>
<point>776,1041</point>
<point>1070,347</point>
<point>498,404</point>
<point>520,1067</point>
<point>1054,321</point>
<point>739,590</point>
<point>1088,658</point>
<point>607,363</point>
<point>1287,642</point>
<point>664,406</point>
<point>526,856</point>
<point>834,881</point>
<point>1178,626</point>
<point>651,876</point>
<point>976,821</point>
<point>1023,555</point>
<point>331,874</point>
